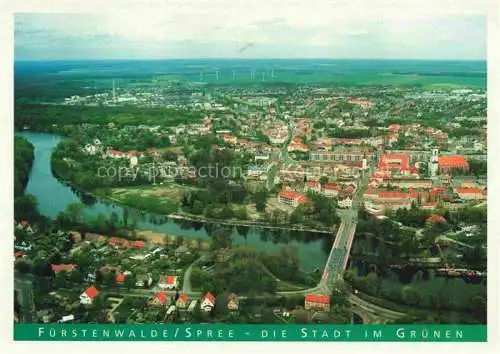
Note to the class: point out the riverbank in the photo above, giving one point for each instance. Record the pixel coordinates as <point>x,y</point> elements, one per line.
<point>99,195</point>
<point>164,239</point>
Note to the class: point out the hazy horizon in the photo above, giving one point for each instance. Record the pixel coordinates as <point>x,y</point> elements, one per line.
<point>337,30</point>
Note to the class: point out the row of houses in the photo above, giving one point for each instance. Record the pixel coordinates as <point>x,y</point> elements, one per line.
<point>206,303</point>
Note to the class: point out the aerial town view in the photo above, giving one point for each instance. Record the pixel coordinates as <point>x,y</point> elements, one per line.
<point>250,191</point>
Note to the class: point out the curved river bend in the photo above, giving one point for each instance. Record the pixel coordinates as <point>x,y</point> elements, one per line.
<point>53,197</point>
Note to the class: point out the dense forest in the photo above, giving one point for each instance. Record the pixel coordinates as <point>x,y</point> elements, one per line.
<point>23,160</point>
<point>41,117</point>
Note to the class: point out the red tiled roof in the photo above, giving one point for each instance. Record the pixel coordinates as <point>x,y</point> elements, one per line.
<point>168,279</point>
<point>331,186</point>
<point>139,244</point>
<point>402,159</point>
<point>293,195</point>
<point>91,292</point>
<point>18,254</point>
<point>436,218</point>
<point>160,295</point>
<point>469,191</point>
<point>322,299</point>
<point>120,278</point>
<point>312,184</point>
<point>59,267</point>
<point>393,195</point>
<point>183,297</point>
<point>452,161</point>
<point>210,297</point>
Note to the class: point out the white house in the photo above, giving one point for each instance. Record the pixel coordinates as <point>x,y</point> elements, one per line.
<point>88,296</point>
<point>345,203</point>
<point>208,302</point>
<point>143,280</point>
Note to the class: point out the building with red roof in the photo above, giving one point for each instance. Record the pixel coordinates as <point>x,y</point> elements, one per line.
<point>313,186</point>
<point>434,218</point>
<point>317,302</point>
<point>183,301</point>
<point>392,162</point>
<point>139,244</point>
<point>331,189</point>
<point>120,278</point>
<point>207,302</point>
<point>168,282</point>
<point>394,128</point>
<point>449,163</point>
<point>88,296</point>
<point>118,242</point>
<point>291,198</point>
<point>471,193</point>
<point>62,267</point>
<point>160,299</point>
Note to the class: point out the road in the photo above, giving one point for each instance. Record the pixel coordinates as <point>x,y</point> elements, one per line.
<point>284,158</point>
<point>186,284</point>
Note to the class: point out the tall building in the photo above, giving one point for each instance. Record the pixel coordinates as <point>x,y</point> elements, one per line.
<point>433,166</point>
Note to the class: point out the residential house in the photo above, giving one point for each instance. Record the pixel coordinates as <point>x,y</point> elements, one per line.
<point>435,219</point>
<point>143,280</point>
<point>207,302</point>
<point>88,296</point>
<point>317,302</point>
<point>233,302</point>
<point>139,244</point>
<point>183,301</point>
<point>160,299</point>
<point>168,282</point>
<point>331,189</point>
<point>229,139</point>
<point>120,278</point>
<point>24,225</point>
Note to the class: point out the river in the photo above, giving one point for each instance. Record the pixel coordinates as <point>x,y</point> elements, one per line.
<point>53,197</point>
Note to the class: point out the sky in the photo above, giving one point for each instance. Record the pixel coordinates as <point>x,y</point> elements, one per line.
<point>363,29</point>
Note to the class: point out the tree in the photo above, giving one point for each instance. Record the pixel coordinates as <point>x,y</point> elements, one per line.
<point>129,282</point>
<point>260,199</point>
<point>26,208</point>
<point>221,238</point>
<point>411,295</point>
<point>74,212</point>
<point>23,266</point>
<point>373,283</point>
<point>41,267</point>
